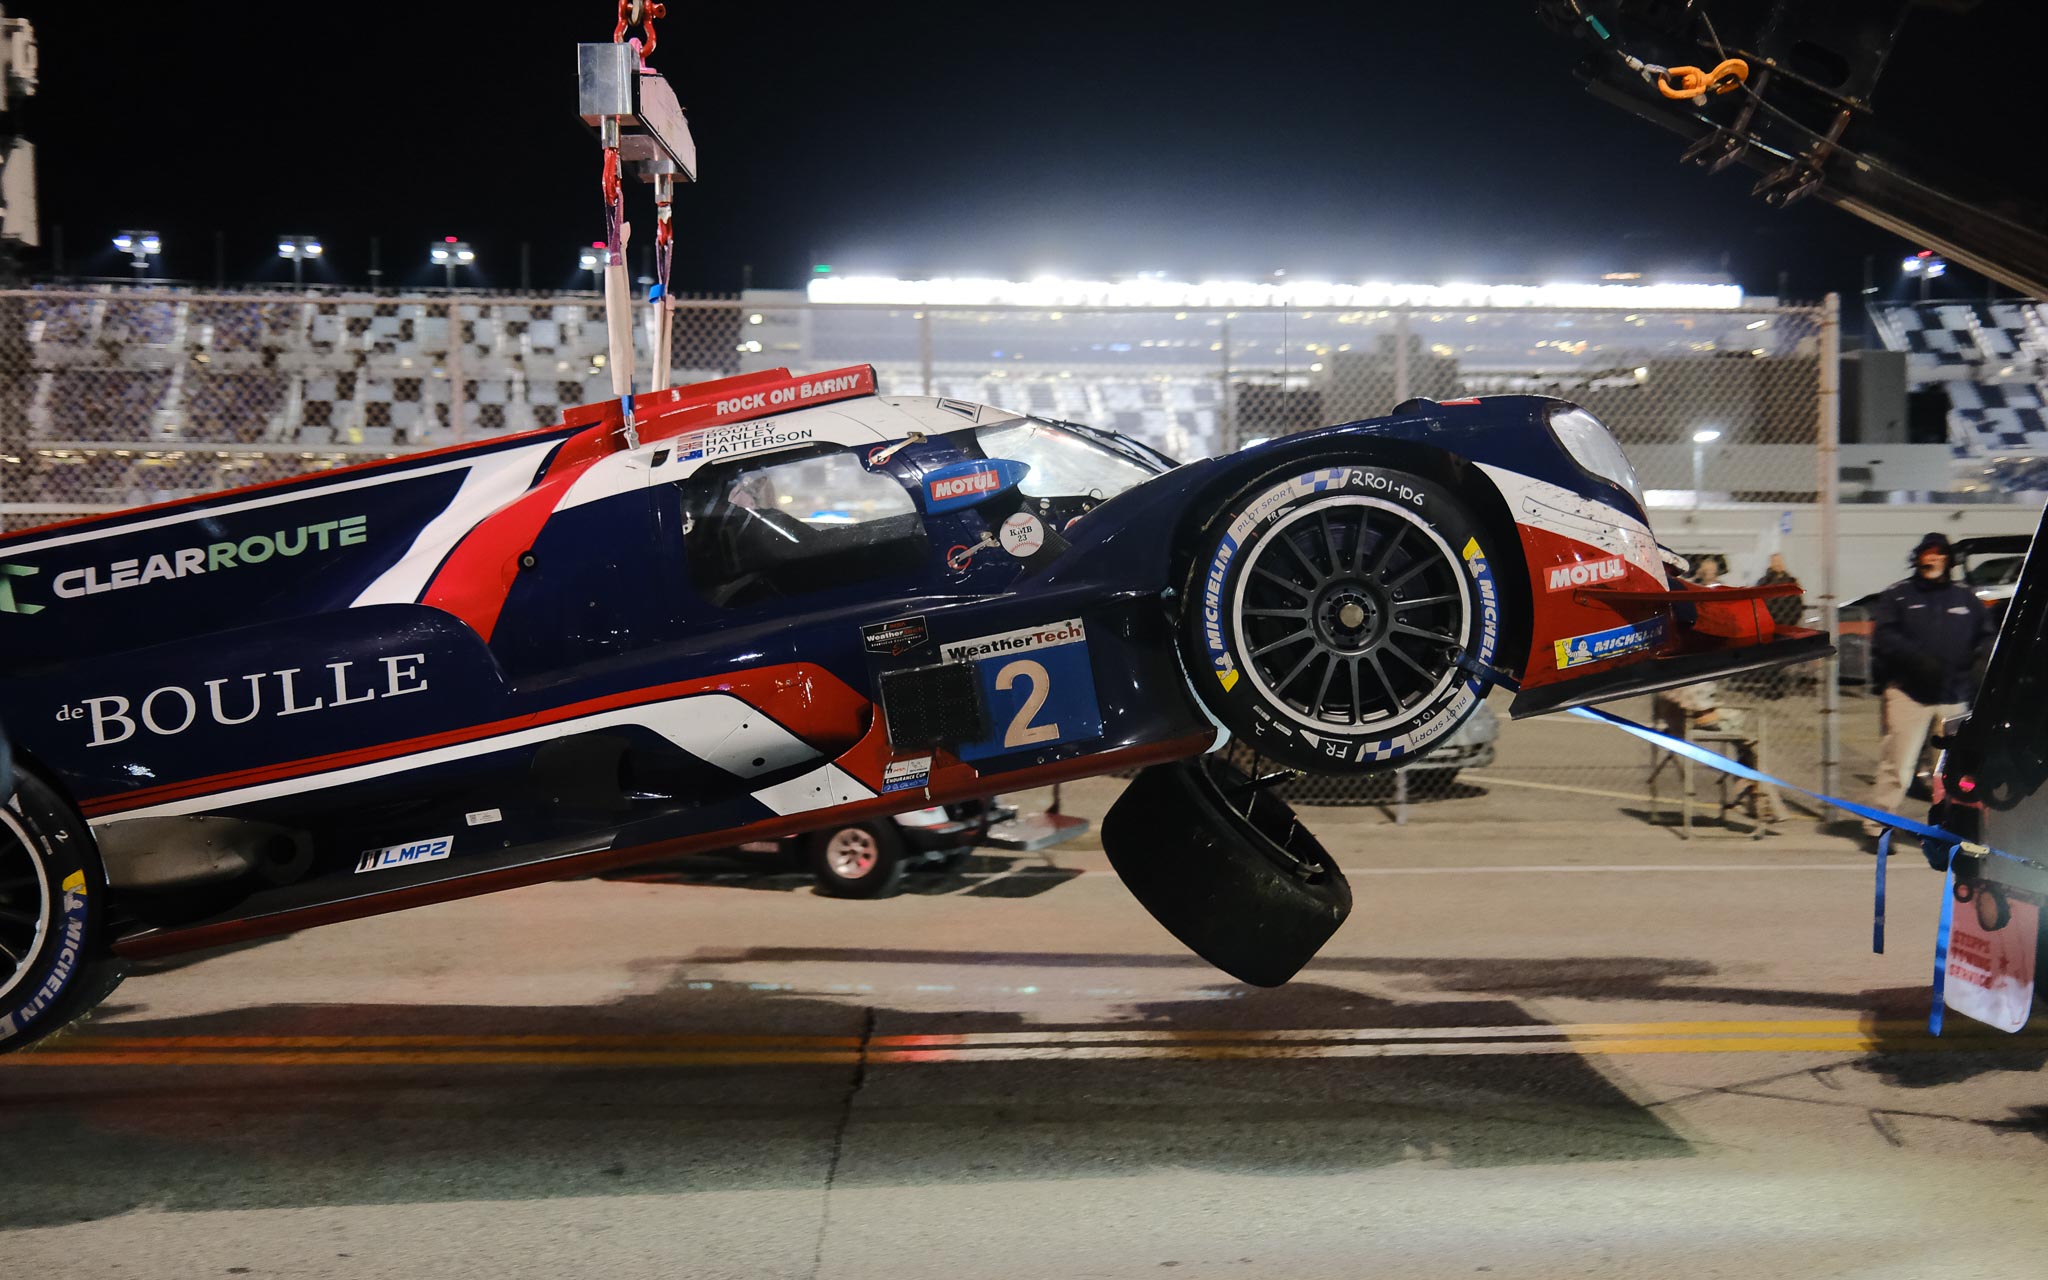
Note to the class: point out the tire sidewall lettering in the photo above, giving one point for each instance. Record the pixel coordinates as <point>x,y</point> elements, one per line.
<point>61,953</point>
<point>1219,574</point>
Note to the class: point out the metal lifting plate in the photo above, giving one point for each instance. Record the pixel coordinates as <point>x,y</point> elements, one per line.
<point>652,128</point>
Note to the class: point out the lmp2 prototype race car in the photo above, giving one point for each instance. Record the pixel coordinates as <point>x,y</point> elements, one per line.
<point>773,604</point>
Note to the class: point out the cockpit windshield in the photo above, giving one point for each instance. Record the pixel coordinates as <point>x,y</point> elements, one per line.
<point>1070,462</point>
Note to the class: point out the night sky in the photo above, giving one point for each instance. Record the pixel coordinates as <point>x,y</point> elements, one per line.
<point>1346,141</point>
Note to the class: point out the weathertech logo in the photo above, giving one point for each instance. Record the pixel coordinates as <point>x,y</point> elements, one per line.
<point>984,481</point>
<point>1586,573</point>
<point>1045,637</point>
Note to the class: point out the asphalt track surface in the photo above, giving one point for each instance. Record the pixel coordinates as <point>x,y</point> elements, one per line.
<point>1537,1049</point>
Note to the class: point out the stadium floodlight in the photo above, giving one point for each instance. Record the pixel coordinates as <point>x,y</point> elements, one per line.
<point>1924,266</point>
<point>1052,293</point>
<point>592,259</point>
<point>297,250</point>
<point>140,246</point>
<point>449,252</point>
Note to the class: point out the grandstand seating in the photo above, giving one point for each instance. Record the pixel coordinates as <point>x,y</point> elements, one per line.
<point>140,397</point>
<point>1990,360</point>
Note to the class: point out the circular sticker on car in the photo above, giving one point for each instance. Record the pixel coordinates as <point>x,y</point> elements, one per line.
<point>1022,535</point>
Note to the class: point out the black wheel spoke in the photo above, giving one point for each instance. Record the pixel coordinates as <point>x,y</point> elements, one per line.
<point>1402,628</point>
<point>1427,675</point>
<point>1330,543</point>
<point>1284,641</point>
<point>13,958</point>
<point>1315,706</point>
<point>16,882</point>
<point>1315,573</point>
<point>1401,606</point>
<point>1299,667</point>
<point>1421,563</point>
<point>1373,659</point>
<point>1385,559</point>
<point>1357,694</point>
<point>19,917</point>
<point>1277,613</point>
<point>1288,583</point>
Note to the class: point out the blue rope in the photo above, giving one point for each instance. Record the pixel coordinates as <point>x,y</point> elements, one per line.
<point>1890,822</point>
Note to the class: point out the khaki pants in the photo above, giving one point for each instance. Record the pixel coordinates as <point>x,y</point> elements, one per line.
<point>1906,724</point>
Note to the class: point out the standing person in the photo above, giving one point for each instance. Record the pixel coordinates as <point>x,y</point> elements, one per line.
<point>1927,633</point>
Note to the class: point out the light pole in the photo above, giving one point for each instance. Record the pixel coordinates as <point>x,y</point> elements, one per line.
<point>1700,440</point>
<point>449,253</point>
<point>297,249</point>
<point>140,246</point>
<point>592,260</point>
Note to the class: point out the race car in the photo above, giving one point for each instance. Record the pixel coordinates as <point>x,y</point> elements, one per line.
<point>776,603</point>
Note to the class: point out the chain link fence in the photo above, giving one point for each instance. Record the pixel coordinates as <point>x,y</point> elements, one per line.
<point>116,397</point>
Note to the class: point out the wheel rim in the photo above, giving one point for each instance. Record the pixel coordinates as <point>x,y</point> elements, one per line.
<point>851,853</point>
<point>1350,613</point>
<point>24,900</point>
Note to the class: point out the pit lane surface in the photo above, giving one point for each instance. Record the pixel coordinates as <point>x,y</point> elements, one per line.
<point>1537,1049</point>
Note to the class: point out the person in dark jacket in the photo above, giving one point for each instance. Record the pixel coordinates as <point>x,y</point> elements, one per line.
<point>1927,633</point>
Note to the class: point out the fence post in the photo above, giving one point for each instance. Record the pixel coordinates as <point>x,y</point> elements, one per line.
<point>1226,416</point>
<point>457,394</point>
<point>924,348</point>
<point>1829,482</point>
<point>1400,356</point>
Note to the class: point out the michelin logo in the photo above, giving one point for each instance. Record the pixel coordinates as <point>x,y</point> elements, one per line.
<point>1212,612</point>
<point>405,855</point>
<point>1602,645</point>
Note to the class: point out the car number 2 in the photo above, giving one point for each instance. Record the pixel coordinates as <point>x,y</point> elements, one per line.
<point>1023,733</point>
<point>1035,701</point>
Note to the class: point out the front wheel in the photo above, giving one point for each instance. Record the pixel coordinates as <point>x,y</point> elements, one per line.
<point>1337,619</point>
<point>861,860</point>
<point>53,966</point>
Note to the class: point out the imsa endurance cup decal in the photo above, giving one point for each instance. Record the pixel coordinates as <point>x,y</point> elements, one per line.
<point>1038,685</point>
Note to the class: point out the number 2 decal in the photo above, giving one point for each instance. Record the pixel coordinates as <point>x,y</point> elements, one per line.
<point>1023,733</point>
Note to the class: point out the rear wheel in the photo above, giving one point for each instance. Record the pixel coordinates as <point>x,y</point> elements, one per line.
<point>1334,618</point>
<point>861,860</point>
<point>52,963</point>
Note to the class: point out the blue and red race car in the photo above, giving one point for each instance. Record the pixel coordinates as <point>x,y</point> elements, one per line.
<point>776,603</point>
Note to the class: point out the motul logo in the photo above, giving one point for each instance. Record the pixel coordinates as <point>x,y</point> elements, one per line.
<point>1587,573</point>
<point>962,486</point>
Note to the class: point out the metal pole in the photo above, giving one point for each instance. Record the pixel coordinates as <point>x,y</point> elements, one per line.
<point>924,349</point>
<point>1829,481</point>
<point>1227,424</point>
<point>1401,355</point>
<point>458,395</point>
